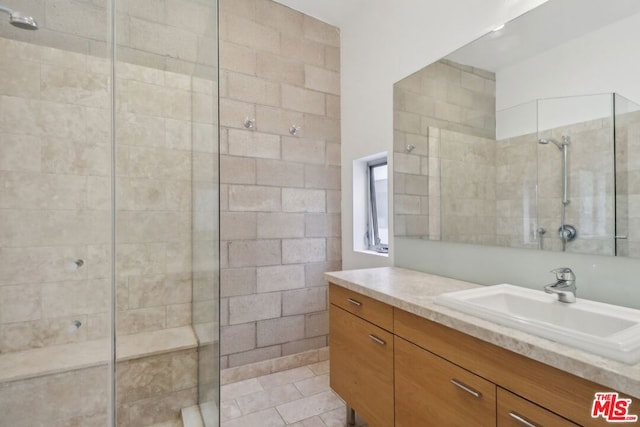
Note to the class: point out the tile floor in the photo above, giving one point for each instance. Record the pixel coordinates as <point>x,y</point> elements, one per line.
<point>298,397</point>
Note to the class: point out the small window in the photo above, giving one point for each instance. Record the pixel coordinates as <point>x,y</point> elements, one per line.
<point>378,227</point>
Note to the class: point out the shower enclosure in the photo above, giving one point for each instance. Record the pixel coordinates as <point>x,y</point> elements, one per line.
<point>575,197</point>
<point>561,174</point>
<point>109,247</point>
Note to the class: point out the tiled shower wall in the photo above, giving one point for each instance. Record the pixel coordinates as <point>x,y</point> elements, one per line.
<point>451,102</point>
<point>280,194</point>
<point>57,162</point>
<point>54,201</point>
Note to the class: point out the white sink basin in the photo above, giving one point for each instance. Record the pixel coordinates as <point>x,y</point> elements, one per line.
<point>604,329</point>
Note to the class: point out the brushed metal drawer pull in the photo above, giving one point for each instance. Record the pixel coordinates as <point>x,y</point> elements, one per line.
<point>467,389</point>
<point>378,340</point>
<point>522,420</point>
<point>354,302</point>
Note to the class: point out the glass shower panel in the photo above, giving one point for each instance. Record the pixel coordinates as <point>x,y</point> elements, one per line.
<point>167,212</point>
<point>576,195</point>
<point>55,215</point>
<point>516,177</point>
<point>627,153</point>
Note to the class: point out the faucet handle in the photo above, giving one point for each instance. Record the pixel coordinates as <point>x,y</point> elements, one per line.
<point>564,274</point>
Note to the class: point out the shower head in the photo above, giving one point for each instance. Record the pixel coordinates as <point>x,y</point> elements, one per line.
<point>545,141</point>
<point>20,20</point>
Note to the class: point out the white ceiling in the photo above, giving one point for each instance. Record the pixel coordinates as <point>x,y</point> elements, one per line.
<point>334,12</point>
<point>549,25</point>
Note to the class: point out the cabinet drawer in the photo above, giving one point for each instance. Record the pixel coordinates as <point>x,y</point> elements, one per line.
<point>376,312</point>
<point>361,372</point>
<point>431,391</point>
<point>514,411</point>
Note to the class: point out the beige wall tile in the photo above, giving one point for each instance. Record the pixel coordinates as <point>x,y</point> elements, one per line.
<point>280,17</point>
<point>20,78</point>
<point>303,150</point>
<point>279,173</point>
<point>17,264</point>
<point>66,85</point>
<point>237,338</point>
<point>248,253</point>
<point>178,315</point>
<point>254,144</point>
<point>303,200</point>
<point>252,89</point>
<point>238,58</point>
<point>322,32</point>
<point>141,320</point>
<point>280,225</point>
<point>282,69</point>
<point>280,330</point>
<point>238,225</point>
<point>280,278</point>
<point>254,198</point>
<point>308,51</point>
<point>303,301</point>
<point>333,106</point>
<point>334,203</point>
<point>320,127</point>
<point>237,281</point>
<point>276,120</point>
<point>303,100</point>
<point>20,153</point>
<point>244,309</point>
<point>75,298</point>
<point>296,251</point>
<point>327,177</point>
<point>314,272</point>
<point>164,40</point>
<point>20,303</point>
<point>159,290</point>
<point>251,34</point>
<point>237,170</point>
<point>322,225</point>
<point>233,113</point>
<point>322,80</point>
<point>162,408</point>
<point>317,324</point>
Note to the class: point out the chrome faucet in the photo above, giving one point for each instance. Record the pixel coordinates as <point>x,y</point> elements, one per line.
<point>565,285</point>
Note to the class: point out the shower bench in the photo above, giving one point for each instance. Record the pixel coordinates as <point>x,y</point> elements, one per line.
<point>69,382</point>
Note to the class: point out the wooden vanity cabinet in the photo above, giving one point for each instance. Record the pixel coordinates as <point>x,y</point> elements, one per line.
<point>361,355</point>
<point>398,369</point>
<point>432,392</point>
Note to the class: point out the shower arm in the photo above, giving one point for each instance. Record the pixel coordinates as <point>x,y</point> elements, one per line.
<point>6,10</point>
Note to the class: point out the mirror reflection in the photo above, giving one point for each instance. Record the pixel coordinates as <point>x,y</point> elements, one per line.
<point>528,137</point>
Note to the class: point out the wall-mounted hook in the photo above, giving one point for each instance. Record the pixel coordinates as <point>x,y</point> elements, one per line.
<point>250,123</point>
<point>409,148</point>
<point>74,265</point>
<point>74,326</point>
<point>293,130</point>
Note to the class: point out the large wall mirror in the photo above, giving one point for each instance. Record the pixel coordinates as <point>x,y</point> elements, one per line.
<point>528,137</point>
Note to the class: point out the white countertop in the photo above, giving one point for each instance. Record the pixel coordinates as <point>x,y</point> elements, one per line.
<point>414,292</point>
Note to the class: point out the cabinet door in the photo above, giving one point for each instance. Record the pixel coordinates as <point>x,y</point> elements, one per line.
<point>514,411</point>
<point>361,356</point>
<point>431,391</point>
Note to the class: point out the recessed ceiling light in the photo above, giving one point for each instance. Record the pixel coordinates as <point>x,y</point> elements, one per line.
<point>498,28</point>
